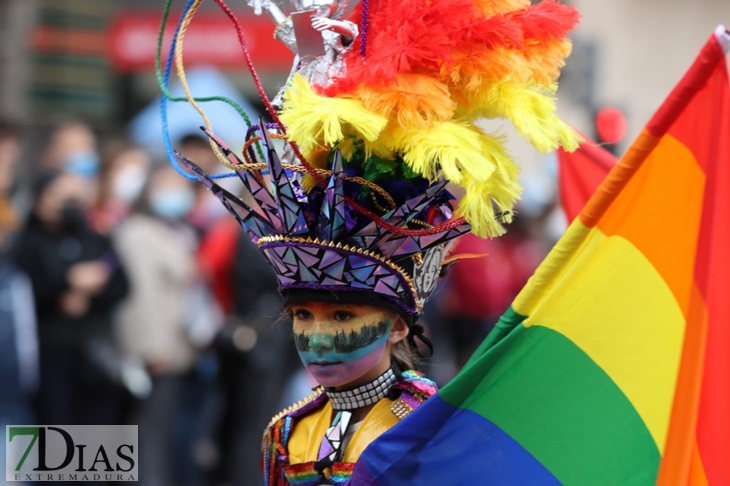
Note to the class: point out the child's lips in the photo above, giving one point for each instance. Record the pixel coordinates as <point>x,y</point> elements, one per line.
<point>323,366</point>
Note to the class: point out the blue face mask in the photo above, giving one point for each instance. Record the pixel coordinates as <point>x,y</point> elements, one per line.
<point>171,203</point>
<point>84,164</point>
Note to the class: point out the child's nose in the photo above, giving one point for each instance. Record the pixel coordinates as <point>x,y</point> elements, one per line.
<point>321,342</point>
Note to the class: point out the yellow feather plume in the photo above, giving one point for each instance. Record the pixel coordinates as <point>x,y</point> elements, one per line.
<point>487,204</point>
<point>448,148</point>
<point>316,121</point>
<point>531,110</point>
<point>466,156</point>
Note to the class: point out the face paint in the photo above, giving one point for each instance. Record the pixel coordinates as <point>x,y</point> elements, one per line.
<point>340,352</point>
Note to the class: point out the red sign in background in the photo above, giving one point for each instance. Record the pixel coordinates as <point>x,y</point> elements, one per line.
<point>210,39</point>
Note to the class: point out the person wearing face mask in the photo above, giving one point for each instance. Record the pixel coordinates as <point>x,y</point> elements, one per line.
<point>122,174</point>
<point>77,283</point>
<point>157,247</point>
<point>72,149</point>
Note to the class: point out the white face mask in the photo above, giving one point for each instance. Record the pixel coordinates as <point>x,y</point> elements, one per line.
<point>128,184</point>
<point>172,204</point>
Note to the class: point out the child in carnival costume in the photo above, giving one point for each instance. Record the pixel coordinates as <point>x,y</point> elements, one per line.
<point>357,221</point>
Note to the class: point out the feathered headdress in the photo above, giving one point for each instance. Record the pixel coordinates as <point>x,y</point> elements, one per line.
<point>359,204</point>
<point>430,70</point>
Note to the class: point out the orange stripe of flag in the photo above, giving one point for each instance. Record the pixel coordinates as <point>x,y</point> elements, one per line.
<point>675,466</point>
<point>617,179</point>
<point>697,471</point>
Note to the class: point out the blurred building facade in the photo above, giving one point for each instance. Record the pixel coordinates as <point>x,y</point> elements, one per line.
<point>17,18</point>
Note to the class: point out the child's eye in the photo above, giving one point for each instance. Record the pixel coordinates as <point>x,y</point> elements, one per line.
<point>343,316</point>
<point>302,314</point>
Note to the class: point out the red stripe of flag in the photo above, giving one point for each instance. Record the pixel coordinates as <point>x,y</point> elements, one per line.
<point>712,273</point>
<point>698,444</point>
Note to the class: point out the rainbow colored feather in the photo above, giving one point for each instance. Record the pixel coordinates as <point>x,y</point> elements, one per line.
<point>433,67</point>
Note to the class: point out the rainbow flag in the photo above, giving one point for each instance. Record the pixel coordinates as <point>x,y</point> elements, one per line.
<point>612,366</point>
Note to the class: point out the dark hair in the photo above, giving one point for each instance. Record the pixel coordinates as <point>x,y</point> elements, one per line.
<point>405,357</point>
<point>194,140</point>
<point>9,128</point>
<point>42,181</point>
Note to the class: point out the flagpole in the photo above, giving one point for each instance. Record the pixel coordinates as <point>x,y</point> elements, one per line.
<point>723,38</point>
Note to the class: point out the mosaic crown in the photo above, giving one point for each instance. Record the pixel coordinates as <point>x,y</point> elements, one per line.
<point>316,241</point>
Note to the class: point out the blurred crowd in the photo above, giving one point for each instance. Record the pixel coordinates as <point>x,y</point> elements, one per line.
<point>128,296</point>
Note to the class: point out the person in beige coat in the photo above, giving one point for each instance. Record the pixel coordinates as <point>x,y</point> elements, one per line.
<point>158,250</point>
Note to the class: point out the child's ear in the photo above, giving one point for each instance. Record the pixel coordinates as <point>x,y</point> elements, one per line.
<point>399,330</point>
